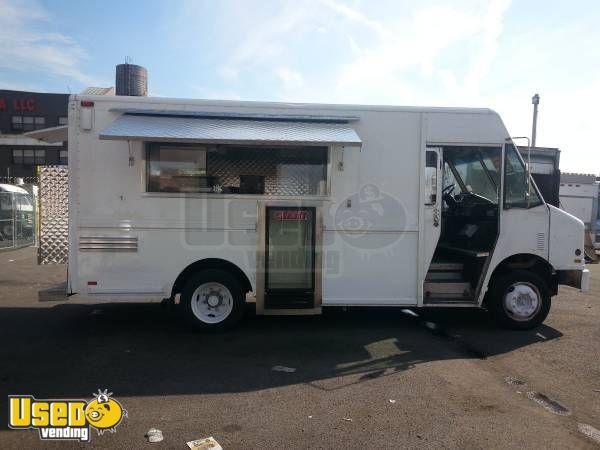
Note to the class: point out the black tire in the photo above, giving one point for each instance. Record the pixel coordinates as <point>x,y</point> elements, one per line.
<point>501,313</point>
<point>227,280</point>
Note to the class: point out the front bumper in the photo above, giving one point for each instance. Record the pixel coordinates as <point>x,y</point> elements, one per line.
<point>585,280</point>
<point>579,279</point>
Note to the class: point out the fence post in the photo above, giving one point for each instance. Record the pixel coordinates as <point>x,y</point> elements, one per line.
<point>14,222</point>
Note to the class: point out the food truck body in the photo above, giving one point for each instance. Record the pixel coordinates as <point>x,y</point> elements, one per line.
<point>302,206</point>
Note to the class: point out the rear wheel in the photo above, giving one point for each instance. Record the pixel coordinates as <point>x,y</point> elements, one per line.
<point>213,300</point>
<point>519,300</point>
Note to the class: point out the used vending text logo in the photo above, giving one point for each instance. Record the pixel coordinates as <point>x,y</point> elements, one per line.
<point>65,419</point>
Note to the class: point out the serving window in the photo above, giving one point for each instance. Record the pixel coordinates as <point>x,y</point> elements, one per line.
<point>228,169</point>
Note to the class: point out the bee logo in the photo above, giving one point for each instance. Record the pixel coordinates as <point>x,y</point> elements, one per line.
<point>66,419</point>
<point>104,413</point>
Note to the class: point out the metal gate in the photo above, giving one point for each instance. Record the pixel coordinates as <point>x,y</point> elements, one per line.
<point>54,215</point>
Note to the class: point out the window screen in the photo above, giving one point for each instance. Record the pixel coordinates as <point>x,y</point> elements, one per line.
<point>254,170</point>
<point>177,169</point>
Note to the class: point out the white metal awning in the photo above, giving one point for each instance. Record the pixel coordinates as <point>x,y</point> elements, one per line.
<point>229,131</point>
<point>52,135</point>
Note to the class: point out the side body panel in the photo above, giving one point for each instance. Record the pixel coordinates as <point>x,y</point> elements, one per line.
<point>378,190</point>
<point>522,231</point>
<point>382,184</point>
<point>566,236</point>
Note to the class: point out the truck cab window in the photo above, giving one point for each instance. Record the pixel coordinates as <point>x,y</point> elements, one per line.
<point>450,183</point>
<point>470,195</point>
<point>516,193</point>
<point>474,172</point>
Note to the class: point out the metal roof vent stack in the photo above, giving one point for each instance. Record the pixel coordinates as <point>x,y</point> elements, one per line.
<point>131,80</point>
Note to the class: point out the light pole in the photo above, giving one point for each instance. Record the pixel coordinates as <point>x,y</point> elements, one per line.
<point>535,101</point>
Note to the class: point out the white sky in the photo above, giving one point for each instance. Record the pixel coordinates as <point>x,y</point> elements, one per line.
<point>488,53</point>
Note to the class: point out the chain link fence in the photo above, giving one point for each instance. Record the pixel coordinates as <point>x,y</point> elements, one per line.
<point>34,211</point>
<point>17,220</point>
<point>18,180</point>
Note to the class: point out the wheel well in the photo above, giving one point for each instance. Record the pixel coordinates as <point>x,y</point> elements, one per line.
<point>533,263</point>
<point>210,263</point>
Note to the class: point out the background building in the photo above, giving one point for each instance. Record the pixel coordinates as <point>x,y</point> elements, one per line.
<point>27,111</point>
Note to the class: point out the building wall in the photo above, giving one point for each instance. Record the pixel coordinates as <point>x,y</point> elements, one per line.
<point>9,169</point>
<point>25,111</point>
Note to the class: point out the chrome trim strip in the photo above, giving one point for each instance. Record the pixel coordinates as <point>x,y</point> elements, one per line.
<point>108,244</point>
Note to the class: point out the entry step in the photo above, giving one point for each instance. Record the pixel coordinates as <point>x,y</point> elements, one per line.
<point>441,289</point>
<point>445,266</point>
<point>466,251</point>
<point>437,276</point>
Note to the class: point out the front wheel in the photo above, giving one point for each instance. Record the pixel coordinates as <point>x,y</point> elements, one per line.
<point>519,300</point>
<point>213,300</point>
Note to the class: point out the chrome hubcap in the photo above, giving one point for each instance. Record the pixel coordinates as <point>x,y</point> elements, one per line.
<point>522,301</point>
<point>212,302</point>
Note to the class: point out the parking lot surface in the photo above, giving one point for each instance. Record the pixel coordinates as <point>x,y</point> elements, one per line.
<point>364,378</point>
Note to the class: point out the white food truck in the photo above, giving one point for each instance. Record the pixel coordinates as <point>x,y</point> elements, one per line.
<point>296,207</point>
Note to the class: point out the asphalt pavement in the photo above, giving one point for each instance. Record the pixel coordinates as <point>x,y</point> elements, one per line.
<point>364,378</point>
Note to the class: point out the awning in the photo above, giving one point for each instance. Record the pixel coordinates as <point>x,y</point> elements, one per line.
<point>52,135</point>
<point>228,131</point>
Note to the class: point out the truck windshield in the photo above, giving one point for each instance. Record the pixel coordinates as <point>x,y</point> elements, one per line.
<point>476,170</point>
<point>517,192</point>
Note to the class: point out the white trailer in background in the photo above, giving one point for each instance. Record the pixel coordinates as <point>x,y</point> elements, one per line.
<point>579,195</point>
<point>303,206</point>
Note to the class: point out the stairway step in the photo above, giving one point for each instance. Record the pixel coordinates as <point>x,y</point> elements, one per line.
<point>445,266</point>
<point>439,289</point>
<point>454,276</point>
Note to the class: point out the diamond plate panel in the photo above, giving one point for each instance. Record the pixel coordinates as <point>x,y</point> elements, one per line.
<point>188,129</point>
<point>282,176</point>
<point>54,215</point>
